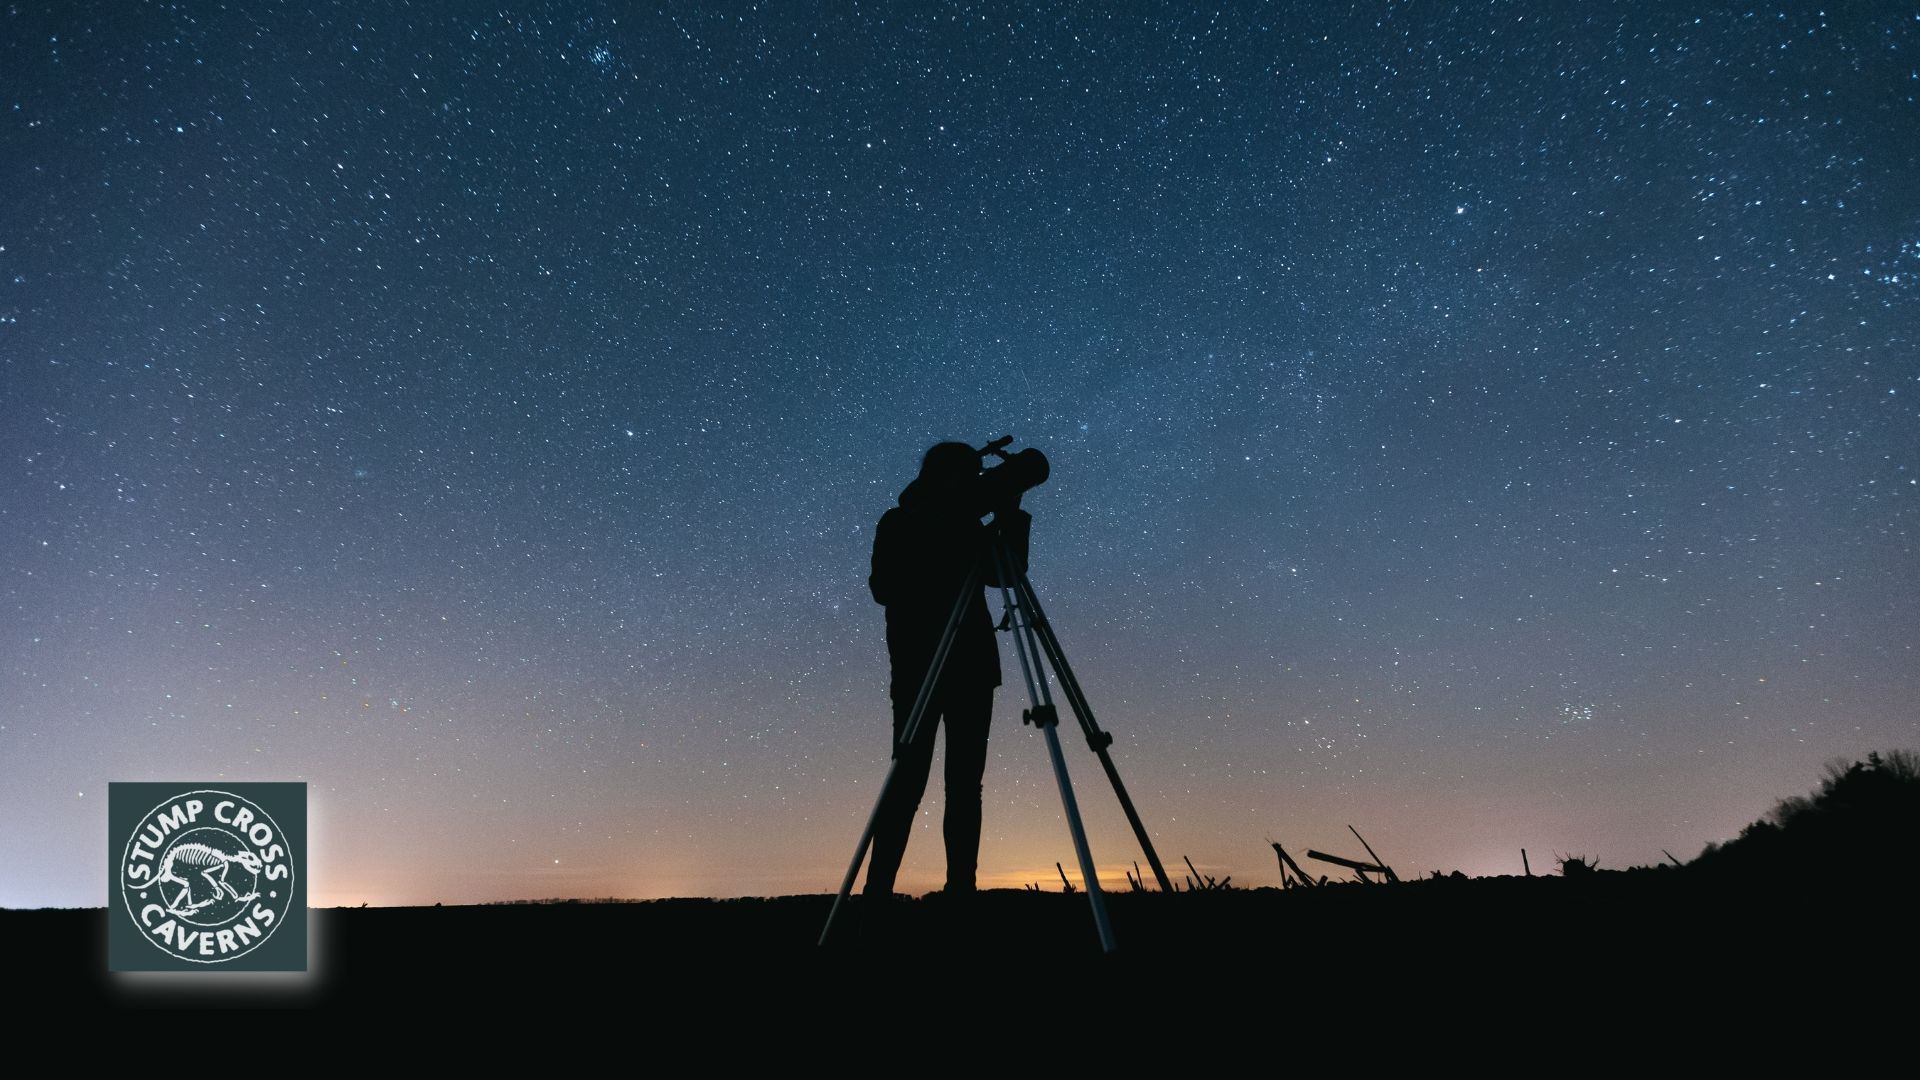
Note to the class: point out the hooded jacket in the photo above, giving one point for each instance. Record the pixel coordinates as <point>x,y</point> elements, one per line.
<point>923,550</point>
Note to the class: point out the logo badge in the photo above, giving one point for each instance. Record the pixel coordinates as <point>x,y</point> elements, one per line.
<point>207,877</point>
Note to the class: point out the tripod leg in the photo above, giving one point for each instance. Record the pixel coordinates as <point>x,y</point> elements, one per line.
<point>906,739</point>
<point>860,853</point>
<point>1088,876</point>
<point>1045,719</point>
<point>1096,738</point>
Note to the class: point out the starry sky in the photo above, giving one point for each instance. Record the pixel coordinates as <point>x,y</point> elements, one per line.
<point>1490,426</point>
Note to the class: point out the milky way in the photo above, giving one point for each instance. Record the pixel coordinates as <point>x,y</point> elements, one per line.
<point>1491,427</point>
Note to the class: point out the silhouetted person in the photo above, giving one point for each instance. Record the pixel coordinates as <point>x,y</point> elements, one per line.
<point>923,551</point>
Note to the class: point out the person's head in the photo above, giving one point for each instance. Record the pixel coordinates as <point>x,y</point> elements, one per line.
<point>948,467</point>
<point>950,461</point>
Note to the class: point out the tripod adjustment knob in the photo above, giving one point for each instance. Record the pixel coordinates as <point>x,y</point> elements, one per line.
<point>1040,716</point>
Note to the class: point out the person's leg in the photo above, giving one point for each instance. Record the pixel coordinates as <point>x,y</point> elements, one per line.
<point>967,717</point>
<point>894,823</point>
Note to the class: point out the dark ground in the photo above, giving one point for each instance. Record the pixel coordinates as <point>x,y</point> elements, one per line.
<point>1663,949</point>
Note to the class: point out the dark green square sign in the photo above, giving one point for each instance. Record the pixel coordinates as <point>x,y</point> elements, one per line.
<point>207,877</point>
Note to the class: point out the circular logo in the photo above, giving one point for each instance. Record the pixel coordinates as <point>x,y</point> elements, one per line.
<point>207,876</point>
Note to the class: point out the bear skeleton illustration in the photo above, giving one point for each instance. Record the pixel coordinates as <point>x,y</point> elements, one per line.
<point>210,864</point>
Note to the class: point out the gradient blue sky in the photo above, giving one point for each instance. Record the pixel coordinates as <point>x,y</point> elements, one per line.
<point>1489,425</point>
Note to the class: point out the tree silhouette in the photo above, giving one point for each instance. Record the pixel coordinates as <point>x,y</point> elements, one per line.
<point>1858,825</point>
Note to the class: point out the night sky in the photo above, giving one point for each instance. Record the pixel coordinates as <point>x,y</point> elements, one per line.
<point>1488,426</point>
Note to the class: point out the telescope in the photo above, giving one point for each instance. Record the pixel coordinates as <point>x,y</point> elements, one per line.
<point>1017,474</point>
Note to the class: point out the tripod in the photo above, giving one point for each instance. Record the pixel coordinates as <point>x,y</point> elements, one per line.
<point>1033,638</point>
